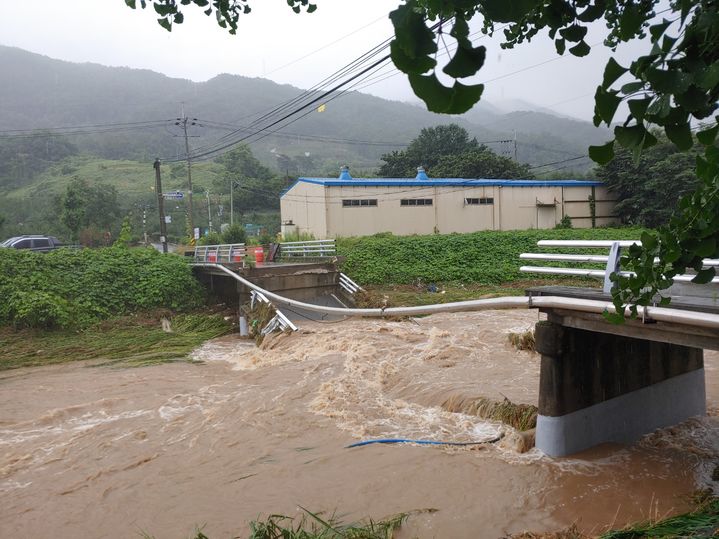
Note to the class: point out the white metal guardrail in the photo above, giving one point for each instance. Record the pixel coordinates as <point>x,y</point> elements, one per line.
<point>307,249</point>
<point>660,314</point>
<point>230,253</point>
<point>279,321</point>
<point>611,261</point>
<point>348,285</point>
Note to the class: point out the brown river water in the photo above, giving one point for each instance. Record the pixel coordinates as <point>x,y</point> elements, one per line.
<point>103,452</point>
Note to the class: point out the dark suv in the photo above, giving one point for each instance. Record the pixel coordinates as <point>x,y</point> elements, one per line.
<point>34,243</point>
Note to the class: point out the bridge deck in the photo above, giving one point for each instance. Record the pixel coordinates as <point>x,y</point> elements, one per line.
<point>674,333</point>
<point>686,303</point>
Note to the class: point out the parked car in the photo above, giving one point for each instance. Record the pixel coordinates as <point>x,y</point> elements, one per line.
<point>34,243</point>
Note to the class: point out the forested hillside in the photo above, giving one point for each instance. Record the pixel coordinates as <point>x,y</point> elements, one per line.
<point>355,128</point>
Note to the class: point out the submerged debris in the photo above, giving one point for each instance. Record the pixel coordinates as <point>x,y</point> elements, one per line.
<point>520,416</point>
<point>523,340</point>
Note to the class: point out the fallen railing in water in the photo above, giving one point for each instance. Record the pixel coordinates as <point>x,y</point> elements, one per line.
<point>660,314</point>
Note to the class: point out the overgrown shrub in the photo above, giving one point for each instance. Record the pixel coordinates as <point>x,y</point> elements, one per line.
<point>234,234</point>
<point>74,288</point>
<point>487,257</point>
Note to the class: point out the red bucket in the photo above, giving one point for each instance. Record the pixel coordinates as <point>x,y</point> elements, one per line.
<point>212,257</point>
<point>259,254</point>
<point>237,256</point>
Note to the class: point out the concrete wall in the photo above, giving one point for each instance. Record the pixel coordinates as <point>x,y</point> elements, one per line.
<point>304,206</point>
<point>597,387</point>
<point>514,208</point>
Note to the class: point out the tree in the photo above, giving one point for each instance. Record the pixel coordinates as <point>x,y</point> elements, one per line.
<point>426,150</point>
<point>674,85</point>
<point>480,163</point>
<point>648,190</point>
<point>255,185</point>
<point>82,206</point>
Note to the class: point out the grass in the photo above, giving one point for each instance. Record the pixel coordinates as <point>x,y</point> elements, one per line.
<point>520,416</point>
<point>411,295</point>
<point>313,526</point>
<point>128,341</point>
<point>523,340</point>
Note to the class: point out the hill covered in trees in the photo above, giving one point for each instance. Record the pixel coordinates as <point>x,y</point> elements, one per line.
<point>355,128</point>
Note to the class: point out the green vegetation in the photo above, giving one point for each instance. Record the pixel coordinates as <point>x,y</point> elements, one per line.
<point>649,188</point>
<point>315,527</point>
<point>128,341</point>
<point>446,151</point>
<point>519,416</point>
<point>484,258</point>
<point>522,341</point>
<point>71,288</point>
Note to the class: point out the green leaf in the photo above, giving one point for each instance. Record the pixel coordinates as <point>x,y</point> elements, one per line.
<point>561,46</point>
<point>630,137</point>
<point>411,33</point>
<point>649,241</point>
<point>680,134</point>
<point>710,77</point>
<point>612,71</point>
<point>661,107</point>
<point>165,24</point>
<point>179,18</point>
<point>574,33</point>
<point>631,87</point>
<point>441,99</point>
<point>466,62</point>
<point>630,21</point>
<point>311,8</point>
<point>410,65</point>
<point>706,248</point>
<point>656,30</point>
<point>131,3</point>
<point>605,104</point>
<point>602,154</point>
<point>704,276</point>
<point>504,11</point>
<point>707,136</point>
<point>638,107</point>
<point>580,49</point>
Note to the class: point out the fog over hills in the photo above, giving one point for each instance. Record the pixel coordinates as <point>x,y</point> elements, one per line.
<point>41,92</point>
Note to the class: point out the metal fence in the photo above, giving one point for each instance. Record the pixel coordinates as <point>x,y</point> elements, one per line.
<point>231,253</point>
<point>307,250</point>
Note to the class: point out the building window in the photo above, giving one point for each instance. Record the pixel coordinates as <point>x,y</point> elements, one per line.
<point>479,201</point>
<point>415,202</point>
<point>355,202</point>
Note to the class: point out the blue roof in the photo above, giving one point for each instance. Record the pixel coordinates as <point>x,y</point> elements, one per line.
<point>442,182</point>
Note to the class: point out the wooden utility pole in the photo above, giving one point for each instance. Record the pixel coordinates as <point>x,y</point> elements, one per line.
<point>160,206</point>
<point>183,122</point>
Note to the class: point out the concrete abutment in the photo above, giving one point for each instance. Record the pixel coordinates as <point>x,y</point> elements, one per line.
<point>600,387</point>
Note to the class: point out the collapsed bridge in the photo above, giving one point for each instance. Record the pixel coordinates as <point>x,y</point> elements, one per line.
<point>599,382</point>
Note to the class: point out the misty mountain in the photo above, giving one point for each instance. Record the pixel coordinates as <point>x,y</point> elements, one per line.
<point>355,128</point>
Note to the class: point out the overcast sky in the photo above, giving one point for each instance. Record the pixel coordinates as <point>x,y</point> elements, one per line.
<point>275,43</point>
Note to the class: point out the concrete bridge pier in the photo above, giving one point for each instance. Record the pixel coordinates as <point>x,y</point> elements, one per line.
<point>598,387</point>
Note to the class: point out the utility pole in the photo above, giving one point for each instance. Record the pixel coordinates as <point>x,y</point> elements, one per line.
<point>209,211</point>
<point>160,206</point>
<point>144,223</point>
<point>183,121</point>
<point>232,202</point>
<point>515,146</point>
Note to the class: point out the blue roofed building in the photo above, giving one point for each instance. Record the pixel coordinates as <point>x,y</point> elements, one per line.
<point>346,206</point>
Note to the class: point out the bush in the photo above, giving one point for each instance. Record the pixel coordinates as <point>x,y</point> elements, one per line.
<point>212,238</point>
<point>487,257</point>
<point>74,288</point>
<point>234,234</point>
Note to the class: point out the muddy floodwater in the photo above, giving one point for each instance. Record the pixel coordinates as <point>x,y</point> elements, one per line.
<point>100,452</point>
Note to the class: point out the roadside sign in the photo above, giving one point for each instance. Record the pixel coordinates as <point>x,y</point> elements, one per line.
<point>168,219</point>
<point>197,233</point>
<point>173,195</point>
